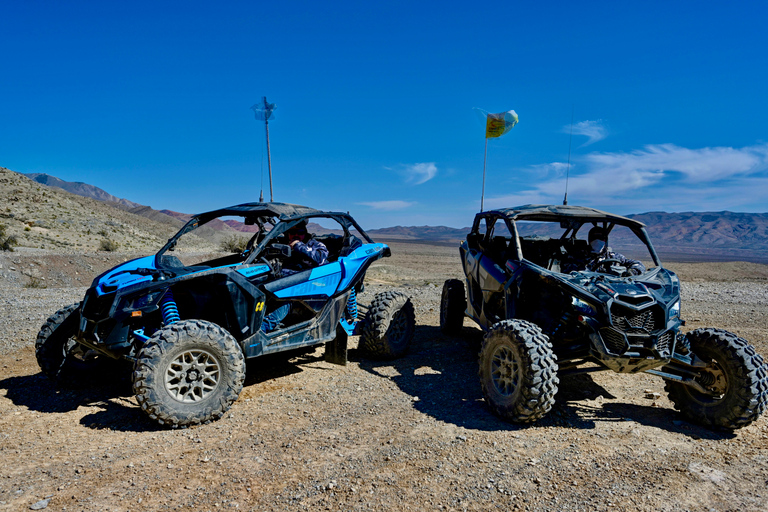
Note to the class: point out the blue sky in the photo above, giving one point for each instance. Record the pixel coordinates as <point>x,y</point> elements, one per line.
<point>376,103</point>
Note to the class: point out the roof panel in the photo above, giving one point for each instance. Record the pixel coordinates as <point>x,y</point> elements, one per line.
<point>545,212</point>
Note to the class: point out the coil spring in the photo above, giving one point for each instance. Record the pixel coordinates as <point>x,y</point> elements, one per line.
<point>352,305</point>
<point>169,309</point>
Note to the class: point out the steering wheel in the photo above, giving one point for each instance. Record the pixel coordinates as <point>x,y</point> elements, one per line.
<point>274,255</point>
<point>605,266</point>
<point>273,264</point>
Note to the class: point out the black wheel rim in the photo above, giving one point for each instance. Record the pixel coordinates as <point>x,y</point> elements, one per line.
<point>505,370</point>
<point>398,328</point>
<point>444,310</point>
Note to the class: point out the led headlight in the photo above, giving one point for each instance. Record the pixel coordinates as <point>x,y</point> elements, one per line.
<point>675,309</point>
<point>583,306</point>
<point>142,301</point>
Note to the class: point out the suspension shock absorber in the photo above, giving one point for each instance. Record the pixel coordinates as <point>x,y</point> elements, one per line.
<point>169,309</point>
<point>352,306</point>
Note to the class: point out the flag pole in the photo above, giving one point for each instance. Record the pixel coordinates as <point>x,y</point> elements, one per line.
<point>496,125</point>
<point>269,154</point>
<point>485,160</point>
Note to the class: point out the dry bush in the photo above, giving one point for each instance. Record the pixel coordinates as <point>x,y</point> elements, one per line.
<point>108,245</point>
<point>35,282</point>
<point>7,242</point>
<point>234,243</point>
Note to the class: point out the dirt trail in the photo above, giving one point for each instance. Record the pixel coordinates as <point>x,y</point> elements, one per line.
<point>410,434</point>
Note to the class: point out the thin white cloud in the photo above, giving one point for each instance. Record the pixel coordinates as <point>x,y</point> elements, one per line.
<point>416,174</point>
<point>388,205</point>
<point>593,130</point>
<point>552,168</point>
<point>665,177</point>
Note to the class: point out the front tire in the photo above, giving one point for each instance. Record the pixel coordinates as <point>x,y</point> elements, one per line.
<point>60,357</point>
<point>188,373</point>
<point>518,371</point>
<point>736,377</point>
<point>453,303</point>
<point>389,326</point>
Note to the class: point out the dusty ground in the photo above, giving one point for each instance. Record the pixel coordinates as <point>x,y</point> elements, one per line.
<point>408,434</point>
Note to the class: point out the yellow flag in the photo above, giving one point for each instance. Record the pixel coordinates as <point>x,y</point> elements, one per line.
<point>497,125</point>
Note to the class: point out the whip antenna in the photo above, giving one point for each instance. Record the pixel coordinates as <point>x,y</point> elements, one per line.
<point>568,169</point>
<point>263,112</point>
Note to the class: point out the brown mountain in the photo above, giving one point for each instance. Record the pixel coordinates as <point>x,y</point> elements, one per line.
<point>688,235</point>
<point>80,188</point>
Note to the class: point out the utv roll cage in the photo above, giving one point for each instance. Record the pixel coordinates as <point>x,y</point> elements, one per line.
<point>543,251</point>
<point>280,217</point>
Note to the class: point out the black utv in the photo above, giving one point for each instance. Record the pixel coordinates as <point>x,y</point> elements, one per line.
<point>549,306</point>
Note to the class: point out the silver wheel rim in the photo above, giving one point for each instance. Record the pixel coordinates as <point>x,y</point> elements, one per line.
<point>192,376</point>
<point>505,371</point>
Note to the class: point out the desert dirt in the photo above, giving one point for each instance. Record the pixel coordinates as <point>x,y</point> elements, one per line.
<point>409,434</point>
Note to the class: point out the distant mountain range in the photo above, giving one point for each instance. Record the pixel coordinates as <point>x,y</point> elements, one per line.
<point>79,188</point>
<point>718,235</point>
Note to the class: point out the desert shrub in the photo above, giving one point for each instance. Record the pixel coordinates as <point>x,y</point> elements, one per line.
<point>108,245</point>
<point>7,241</point>
<point>35,282</point>
<point>234,243</point>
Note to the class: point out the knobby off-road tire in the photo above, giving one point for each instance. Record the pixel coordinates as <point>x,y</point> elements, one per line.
<point>188,373</point>
<point>737,376</point>
<point>389,326</point>
<point>518,371</point>
<point>59,356</point>
<point>453,303</point>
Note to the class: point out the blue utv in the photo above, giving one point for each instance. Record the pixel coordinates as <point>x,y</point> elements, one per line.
<point>188,322</point>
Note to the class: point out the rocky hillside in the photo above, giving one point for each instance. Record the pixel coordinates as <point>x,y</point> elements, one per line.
<point>48,218</point>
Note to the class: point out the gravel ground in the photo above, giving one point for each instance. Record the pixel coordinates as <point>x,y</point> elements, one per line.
<point>410,434</point>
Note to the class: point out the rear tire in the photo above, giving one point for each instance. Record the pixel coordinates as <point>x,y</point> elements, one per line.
<point>737,377</point>
<point>188,373</point>
<point>60,357</point>
<point>453,303</point>
<point>518,371</point>
<point>389,326</point>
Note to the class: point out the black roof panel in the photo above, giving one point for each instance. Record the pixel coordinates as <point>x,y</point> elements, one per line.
<point>545,212</point>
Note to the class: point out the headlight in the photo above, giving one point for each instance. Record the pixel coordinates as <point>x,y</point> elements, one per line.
<point>142,301</point>
<point>583,306</point>
<point>675,309</point>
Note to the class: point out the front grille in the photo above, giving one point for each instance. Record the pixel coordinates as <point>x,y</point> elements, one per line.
<point>629,321</point>
<point>615,342</point>
<point>637,322</point>
<point>664,344</point>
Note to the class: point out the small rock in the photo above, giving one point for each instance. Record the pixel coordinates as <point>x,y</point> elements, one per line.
<point>40,505</point>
